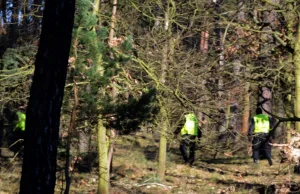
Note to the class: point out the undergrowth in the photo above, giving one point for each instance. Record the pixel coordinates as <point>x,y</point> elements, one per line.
<point>134,171</point>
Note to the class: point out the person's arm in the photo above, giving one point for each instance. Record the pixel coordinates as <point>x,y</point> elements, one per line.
<point>272,131</point>
<point>179,125</point>
<point>199,133</point>
<point>250,130</point>
<point>177,130</point>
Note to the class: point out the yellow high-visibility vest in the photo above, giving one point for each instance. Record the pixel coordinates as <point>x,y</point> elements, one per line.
<point>262,123</point>
<point>191,125</point>
<point>21,122</point>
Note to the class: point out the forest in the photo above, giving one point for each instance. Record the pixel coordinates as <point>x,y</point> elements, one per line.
<point>98,96</point>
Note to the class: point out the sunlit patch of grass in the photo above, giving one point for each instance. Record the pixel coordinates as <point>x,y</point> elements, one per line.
<point>12,176</point>
<point>214,177</point>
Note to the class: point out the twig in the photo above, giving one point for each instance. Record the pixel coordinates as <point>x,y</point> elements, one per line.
<point>156,184</point>
<point>19,140</point>
<point>18,153</point>
<point>70,130</point>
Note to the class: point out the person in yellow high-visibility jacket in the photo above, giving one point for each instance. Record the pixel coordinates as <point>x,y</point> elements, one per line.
<point>188,133</point>
<point>21,121</point>
<point>12,137</point>
<point>260,135</point>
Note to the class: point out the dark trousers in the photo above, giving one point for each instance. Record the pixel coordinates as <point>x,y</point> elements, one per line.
<point>260,145</point>
<point>187,148</point>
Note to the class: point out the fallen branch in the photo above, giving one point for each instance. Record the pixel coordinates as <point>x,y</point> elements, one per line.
<point>155,184</point>
<point>291,151</point>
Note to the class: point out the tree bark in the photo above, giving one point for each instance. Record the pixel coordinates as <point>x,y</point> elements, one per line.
<point>103,185</point>
<point>113,21</point>
<point>43,112</point>
<point>162,147</point>
<point>163,127</point>
<point>296,58</point>
<point>96,7</point>
<point>70,131</point>
<point>204,37</point>
<point>246,111</point>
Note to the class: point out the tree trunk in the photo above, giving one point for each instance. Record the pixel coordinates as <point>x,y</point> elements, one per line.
<point>47,90</point>
<point>246,105</point>
<point>96,7</point>
<point>96,10</point>
<point>204,40</point>
<point>219,47</point>
<point>112,24</point>
<point>237,71</point>
<point>296,58</point>
<point>246,111</point>
<point>105,158</point>
<point>220,50</point>
<point>288,124</point>
<point>103,185</point>
<point>162,147</point>
<point>85,133</point>
<point>70,131</point>
<point>163,126</point>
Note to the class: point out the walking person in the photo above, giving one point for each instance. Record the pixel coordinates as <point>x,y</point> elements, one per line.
<point>260,135</point>
<point>189,132</point>
<point>11,138</point>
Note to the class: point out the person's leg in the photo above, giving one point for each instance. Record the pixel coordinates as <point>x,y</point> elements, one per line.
<point>256,144</point>
<point>267,148</point>
<point>183,148</point>
<point>192,149</point>
<point>2,133</point>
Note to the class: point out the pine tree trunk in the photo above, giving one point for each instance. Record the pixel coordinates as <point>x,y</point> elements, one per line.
<point>103,185</point>
<point>246,111</point>
<point>47,90</point>
<point>112,24</point>
<point>96,7</point>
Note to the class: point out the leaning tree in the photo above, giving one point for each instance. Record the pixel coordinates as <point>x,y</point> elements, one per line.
<point>47,90</point>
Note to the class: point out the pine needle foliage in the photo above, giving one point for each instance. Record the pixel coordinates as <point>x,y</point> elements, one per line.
<point>17,57</point>
<point>16,68</point>
<point>100,66</point>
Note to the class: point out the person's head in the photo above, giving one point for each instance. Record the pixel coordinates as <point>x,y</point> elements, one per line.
<point>258,110</point>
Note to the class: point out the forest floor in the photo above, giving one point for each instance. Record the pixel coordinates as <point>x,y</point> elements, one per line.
<point>135,164</point>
